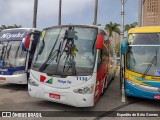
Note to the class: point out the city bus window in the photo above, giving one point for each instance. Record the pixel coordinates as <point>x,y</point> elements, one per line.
<point>99,60</point>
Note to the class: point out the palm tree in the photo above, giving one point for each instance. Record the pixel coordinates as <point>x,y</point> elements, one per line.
<point>129,26</point>
<point>112,27</point>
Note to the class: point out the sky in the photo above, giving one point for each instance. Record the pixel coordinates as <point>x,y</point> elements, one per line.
<point>20,12</point>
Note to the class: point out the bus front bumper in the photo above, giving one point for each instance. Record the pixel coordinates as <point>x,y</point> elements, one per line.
<point>64,96</point>
<point>16,79</point>
<point>137,90</point>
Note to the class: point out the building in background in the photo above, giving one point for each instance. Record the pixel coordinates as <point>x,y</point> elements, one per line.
<point>151,12</point>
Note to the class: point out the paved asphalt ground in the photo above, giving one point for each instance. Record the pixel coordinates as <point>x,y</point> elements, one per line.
<point>16,98</point>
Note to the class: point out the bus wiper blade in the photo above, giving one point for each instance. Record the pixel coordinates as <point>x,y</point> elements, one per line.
<point>149,66</point>
<point>51,55</point>
<point>48,61</point>
<point>156,58</point>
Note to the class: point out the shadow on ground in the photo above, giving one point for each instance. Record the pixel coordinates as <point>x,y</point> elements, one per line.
<point>14,87</point>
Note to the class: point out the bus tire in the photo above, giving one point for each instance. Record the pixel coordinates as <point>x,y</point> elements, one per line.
<point>114,74</point>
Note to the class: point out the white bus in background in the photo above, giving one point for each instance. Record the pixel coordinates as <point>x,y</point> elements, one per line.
<point>15,60</point>
<point>72,65</point>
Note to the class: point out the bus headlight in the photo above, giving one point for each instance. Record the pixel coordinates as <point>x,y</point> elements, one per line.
<point>19,72</point>
<point>33,83</point>
<point>85,90</point>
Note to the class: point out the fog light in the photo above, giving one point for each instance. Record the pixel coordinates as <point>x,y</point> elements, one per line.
<point>85,90</point>
<point>33,83</point>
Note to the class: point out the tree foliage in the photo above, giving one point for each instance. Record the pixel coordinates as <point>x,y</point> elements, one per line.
<point>112,27</point>
<point>3,27</point>
<point>129,26</point>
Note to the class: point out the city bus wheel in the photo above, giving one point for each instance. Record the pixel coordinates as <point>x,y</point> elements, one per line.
<point>106,82</point>
<point>114,74</point>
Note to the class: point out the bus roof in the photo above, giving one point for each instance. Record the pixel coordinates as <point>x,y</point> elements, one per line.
<point>15,33</point>
<point>34,29</point>
<point>80,25</point>
<point>147,29</point>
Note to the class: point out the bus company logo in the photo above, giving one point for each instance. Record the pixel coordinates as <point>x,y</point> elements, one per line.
<point>3,70</point>
<point>9,35</point>
<point>44,80</point>
<point>157,72</point>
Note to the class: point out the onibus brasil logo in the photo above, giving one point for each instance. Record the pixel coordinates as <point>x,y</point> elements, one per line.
<point>44,80</point>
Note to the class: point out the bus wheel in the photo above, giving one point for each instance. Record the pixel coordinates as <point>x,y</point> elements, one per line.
<point>114,74</point>
<point>106,82</point>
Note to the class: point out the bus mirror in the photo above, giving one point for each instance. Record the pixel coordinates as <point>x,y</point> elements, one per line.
<point>123,46</point>
<point>25,43</point>
<point>99,41</point>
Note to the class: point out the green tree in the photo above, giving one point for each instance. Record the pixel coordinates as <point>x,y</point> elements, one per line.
<point>129,26</point>
<point>3,27</point>
<point>112,27</point>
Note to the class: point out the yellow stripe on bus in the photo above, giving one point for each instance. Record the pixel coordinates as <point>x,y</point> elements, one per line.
<point>149,29</point>
<point>129,74</point>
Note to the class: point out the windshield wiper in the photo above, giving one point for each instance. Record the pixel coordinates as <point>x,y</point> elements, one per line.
<point>2,52</point>
<point>51,55</point>
<point>6,52</point>
<point>58,53</point>
<point>154,59</point>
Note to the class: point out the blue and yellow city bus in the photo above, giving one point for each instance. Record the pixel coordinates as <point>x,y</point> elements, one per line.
<point>140,65</point>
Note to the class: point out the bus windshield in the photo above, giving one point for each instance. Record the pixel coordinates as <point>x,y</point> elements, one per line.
<point>66,51</point>
<point>11,54</point>
<point>143,53</point>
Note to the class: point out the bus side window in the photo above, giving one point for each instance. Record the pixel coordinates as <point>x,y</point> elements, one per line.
<point>99,62</point>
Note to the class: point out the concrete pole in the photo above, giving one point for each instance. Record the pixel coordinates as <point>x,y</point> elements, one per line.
<point>121,56</point>
<point>95,12</point>
<point>34,23</point>
<point>140,13</point>
<point>60,9</point>
<point>122,18</point>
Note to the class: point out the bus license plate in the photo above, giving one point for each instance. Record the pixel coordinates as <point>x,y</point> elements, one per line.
<point>55,96</point>
<point>2,78</point>
<point>157,97</point>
